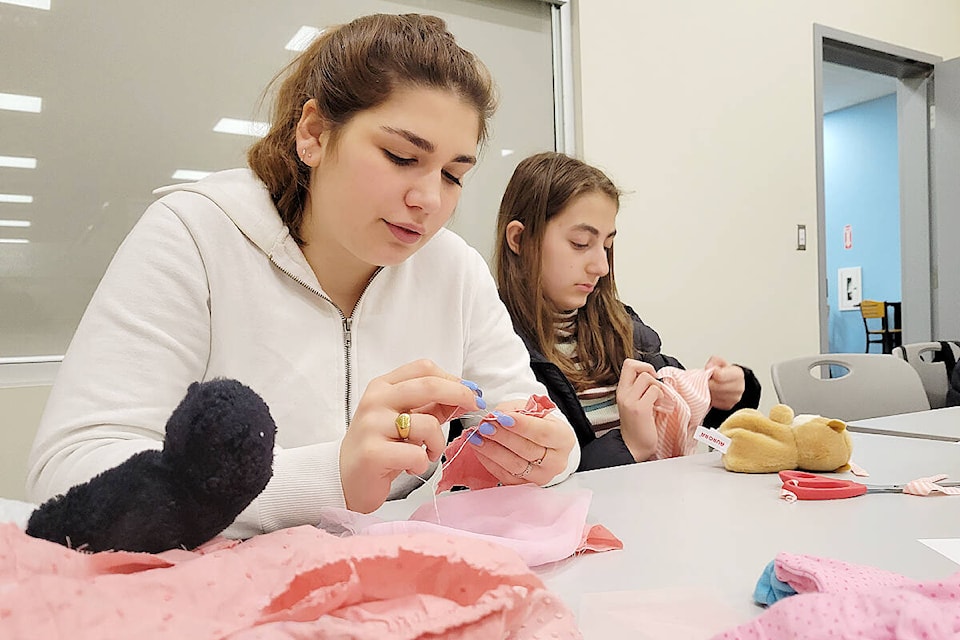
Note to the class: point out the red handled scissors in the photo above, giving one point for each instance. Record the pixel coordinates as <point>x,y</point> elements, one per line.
<point>808,486</point>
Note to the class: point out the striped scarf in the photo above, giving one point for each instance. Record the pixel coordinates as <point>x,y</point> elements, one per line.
<point>599,403</point>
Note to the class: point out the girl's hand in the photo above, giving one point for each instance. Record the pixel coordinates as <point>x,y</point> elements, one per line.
<point>522,448</point>
<point>637,392</point>
<point>726,384</point>
<point>372,452</point>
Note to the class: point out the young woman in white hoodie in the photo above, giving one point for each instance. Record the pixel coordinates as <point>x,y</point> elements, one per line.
<point>322,278</point>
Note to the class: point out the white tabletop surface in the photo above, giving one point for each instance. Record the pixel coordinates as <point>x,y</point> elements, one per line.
<point>688,523</point>
<point>693,531</point>
<point>936,424</point>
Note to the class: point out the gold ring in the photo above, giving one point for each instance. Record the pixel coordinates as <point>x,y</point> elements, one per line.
<point>403,425</point>
<point>523,474</point>
<point>539,460</point>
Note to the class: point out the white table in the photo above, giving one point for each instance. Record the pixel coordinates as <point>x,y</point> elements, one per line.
<point>936,424</point>
<point>688,524</point>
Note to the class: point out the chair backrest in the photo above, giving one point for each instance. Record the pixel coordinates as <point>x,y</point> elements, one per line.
<point>873,309</point>
<point>933,374</point>
<point>874,385</point>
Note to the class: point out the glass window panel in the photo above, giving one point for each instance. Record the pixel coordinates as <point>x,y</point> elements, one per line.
<point>130,93</point>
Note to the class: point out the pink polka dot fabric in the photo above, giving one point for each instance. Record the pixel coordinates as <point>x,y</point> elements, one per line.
<point>293,583</point>
<point>838,600</point>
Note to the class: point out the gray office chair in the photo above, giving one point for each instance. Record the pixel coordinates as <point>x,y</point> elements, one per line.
<point>874,385</point>
<point>925,358</point>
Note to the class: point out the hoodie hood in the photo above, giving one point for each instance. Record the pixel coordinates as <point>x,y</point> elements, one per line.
<point>243,198</point>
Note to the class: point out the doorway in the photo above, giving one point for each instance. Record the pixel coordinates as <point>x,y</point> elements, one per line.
<point>873,184</point>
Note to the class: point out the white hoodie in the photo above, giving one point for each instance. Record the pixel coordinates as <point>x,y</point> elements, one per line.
<point>210,284</point>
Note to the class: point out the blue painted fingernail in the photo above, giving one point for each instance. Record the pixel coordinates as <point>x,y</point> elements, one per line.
<point>473,386</point>
<point>504,419</point>
<point>481,403</point>
<point>487,429</point>
<point>475,439</point>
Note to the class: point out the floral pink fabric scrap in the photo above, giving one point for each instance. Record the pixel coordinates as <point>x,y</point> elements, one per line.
<point>839,600</point>
<point>293,583</point>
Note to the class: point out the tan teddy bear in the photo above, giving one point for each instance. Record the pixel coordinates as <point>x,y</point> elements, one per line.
<point>761,444</point>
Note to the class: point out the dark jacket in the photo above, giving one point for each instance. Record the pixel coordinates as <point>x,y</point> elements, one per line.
<point>953,389</point>
<point>609,450</point>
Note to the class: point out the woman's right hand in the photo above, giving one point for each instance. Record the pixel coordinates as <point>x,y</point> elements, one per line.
<point>637,391</point>
<point>372,452</point>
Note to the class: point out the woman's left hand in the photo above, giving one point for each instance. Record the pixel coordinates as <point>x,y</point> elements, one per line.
<point>531,450</point>
<point>726,384</point>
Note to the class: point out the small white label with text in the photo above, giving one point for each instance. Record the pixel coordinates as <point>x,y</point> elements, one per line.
<point>713,438</point>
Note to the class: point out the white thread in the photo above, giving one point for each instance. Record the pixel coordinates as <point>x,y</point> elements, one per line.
<point>443,467</point>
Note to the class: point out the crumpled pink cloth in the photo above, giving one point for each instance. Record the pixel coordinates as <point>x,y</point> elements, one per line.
<point>292,583</point>
<point>836,599</point>
<point>463,469</point>
<point>681,408</point>
<point>542,525</point>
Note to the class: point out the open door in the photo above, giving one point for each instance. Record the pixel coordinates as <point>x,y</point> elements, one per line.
<point>945,190</point>
<point>912,73</point>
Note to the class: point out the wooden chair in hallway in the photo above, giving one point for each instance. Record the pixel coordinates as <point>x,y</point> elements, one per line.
<point>884,335</point>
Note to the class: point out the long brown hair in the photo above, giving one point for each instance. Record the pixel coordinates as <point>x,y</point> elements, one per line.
<point>541,187</point>
<point>352,68</point>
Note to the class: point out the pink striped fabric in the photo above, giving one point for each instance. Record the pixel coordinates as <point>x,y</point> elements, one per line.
<point>682,406</point>
<point>926,486</point>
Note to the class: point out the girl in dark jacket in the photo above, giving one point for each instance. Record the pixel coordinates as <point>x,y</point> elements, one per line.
<point>598,360</point>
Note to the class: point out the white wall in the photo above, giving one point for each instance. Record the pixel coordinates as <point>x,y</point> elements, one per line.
<point>704,111</point>
<point>20,408</point>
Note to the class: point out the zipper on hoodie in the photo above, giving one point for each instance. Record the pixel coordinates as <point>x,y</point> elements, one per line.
<point>347,332</point>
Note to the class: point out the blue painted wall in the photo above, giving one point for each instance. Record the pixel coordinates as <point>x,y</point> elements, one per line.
<point>861,188</point>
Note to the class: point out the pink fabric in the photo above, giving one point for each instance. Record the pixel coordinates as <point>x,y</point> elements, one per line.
<point>463,469</point>
<point>542,525</point>
<point>926,486</point>
<point>840,600</point>
<point>681,408</point>
<point>293,583</point>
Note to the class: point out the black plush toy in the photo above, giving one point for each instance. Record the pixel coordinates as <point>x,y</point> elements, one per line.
<point>217,457</point>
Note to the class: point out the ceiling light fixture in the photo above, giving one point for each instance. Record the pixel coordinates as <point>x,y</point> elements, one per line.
<point>190,174</point>
<point>17,102</point>
<point>15,223</point>
<point>15,198</point>
<point>33,4</point>
<point>302,38</point>
<point>14,241</point>
<point>17,162</point>
<point>242,127</point>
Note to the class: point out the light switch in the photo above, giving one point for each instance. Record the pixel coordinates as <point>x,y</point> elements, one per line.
<point>801,237</point>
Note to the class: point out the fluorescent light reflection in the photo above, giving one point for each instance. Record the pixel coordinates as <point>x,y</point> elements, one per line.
<point>33,4</point>
<point>190,174</point>
<point>302,38</point>
<point>15,223</point>
<point>242,127</point>
<point>17,162</point>
<point>29,359</point>
<point>506,152</point>
<point>16,102</point>
<point>14,241</point>
<point>15,198</point>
